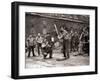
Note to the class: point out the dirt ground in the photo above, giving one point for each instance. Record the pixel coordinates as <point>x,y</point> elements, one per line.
<point>39,62</point>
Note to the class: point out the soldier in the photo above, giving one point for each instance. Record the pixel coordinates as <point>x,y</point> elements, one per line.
<point>71,40</point>
<point>75,42</point>
<point>50,43</point>
<point>31,45</point>
<point>47,46</point>
<point>39,40</point>
<point>65,36</point>
<point>84,42</point>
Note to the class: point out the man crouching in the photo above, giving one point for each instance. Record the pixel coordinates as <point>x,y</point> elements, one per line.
<point>46,49</point>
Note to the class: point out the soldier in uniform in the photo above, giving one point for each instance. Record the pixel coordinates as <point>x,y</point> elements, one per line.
<point>75,42</point>
<point>47,46</point>
<point>65,36</point>
<point>84,42</point>
<point>39,40</point>
<point>71,40</point>
<point>50,43</point>
<point>31,45</point>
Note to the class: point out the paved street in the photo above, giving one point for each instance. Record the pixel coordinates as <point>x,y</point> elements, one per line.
<point>39,62</point>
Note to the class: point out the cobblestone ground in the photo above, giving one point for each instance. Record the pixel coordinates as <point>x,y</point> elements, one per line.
<point>39,62</point>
